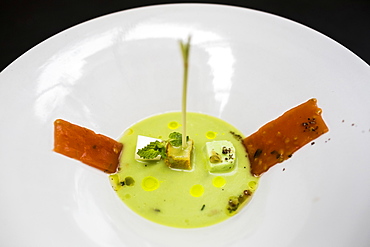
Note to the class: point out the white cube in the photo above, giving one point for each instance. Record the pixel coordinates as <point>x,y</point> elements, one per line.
<point>220,156</point>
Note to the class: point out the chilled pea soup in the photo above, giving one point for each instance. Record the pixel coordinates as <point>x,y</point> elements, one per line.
<point>191,198</point>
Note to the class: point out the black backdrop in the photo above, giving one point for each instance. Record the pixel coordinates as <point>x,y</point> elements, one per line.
<point>25,23</point>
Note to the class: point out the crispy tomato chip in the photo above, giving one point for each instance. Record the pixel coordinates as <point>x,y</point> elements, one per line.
<point>85,145</point>
<point>277,140</point>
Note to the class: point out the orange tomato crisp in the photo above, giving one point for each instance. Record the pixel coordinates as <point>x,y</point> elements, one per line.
<point>277,140</point>
<point>82,144</point>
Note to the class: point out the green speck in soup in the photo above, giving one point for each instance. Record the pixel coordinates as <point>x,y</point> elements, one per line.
<point>183,198</point>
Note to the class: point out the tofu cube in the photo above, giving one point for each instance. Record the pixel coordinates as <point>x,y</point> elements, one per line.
<point>220,156</point>
<point>143,141</point>
<point>179,158</point>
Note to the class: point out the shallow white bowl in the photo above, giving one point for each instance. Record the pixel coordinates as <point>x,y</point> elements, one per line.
<point>247,67</point>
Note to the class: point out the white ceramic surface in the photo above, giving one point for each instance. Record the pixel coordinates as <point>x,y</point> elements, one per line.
<point>247,67</point>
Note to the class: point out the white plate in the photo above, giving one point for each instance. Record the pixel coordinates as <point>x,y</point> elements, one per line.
<point>247,67</point>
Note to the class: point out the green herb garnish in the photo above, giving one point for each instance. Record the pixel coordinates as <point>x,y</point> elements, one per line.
<point>152,150</point>
<point>176,139</point>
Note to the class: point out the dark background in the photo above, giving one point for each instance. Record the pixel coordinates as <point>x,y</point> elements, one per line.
<point>25,23</point>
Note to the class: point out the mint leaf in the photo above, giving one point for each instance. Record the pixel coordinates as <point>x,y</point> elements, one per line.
<point>152,150</point>
<point>176,139</point>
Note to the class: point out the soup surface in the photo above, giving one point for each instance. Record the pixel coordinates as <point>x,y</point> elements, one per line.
<point>183,198</point>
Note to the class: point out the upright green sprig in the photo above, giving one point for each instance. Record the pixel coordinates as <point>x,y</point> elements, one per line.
<point>185,51</point>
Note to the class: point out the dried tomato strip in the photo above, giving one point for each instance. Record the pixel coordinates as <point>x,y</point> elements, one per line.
<point>277,140</point>
<point>85,145</point>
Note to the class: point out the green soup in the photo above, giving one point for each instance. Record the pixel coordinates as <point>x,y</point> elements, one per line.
<point>183,198</point>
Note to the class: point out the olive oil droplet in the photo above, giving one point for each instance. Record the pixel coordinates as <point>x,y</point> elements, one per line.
<point>173,125</point>
<point>219,182</point>
<point>197,190</point>
<point>150,183</point>
<point>211,135</point>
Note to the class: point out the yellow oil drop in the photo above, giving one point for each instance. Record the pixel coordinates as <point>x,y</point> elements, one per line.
<point>252,185</point>
<point>150,183</point>
<point>211,135</point>
<point>173,125</point>
<point>114,181</point>
<point>197,190</point>
<point>129,132</point>
<point>218,182</point>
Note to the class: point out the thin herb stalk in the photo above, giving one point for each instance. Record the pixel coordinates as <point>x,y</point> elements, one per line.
<point>185,49</point>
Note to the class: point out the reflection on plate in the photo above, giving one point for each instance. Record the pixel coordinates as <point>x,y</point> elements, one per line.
<point>247,67</point>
